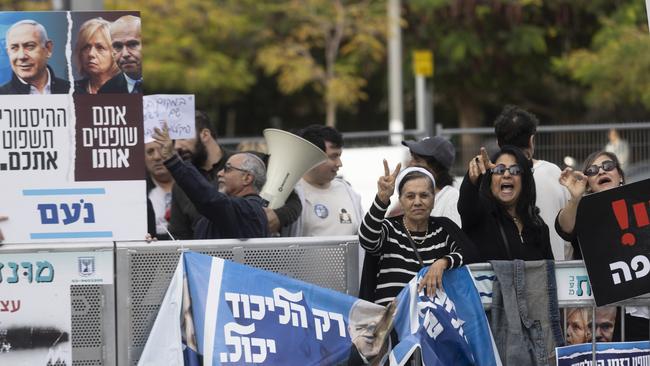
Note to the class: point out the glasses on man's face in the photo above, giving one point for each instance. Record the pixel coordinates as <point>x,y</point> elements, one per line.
<point>607,165</point>
<point>500,169</point>
<point>228,168</point>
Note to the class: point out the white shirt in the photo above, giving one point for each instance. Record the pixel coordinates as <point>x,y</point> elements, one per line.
<point>328,212</point>
<point>33,90</point>
<point>446,204</point>
<point>161,202</point>
<point>130,83</point>
<point>551,198</point>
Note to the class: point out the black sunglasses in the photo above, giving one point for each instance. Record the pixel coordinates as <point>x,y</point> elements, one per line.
<point>607,165</point>
<point>227,168</point>
<point>500,169</point>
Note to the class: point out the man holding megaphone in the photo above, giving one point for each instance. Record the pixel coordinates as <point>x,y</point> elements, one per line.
<point>329,204</point>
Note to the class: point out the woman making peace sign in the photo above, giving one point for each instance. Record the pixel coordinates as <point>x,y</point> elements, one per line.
<point>406,243</point>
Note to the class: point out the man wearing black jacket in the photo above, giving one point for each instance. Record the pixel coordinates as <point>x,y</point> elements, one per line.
<point>29,49</point>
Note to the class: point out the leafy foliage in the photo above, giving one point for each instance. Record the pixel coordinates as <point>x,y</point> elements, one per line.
<point>615,67</point>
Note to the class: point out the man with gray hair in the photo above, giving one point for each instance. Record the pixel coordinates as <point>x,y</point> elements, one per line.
<point>233,209</point>
<point>29,49</point>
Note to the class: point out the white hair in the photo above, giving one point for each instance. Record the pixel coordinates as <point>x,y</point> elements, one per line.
<point>39,27</point>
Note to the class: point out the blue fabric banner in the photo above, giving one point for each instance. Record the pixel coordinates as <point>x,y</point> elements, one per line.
<point>237,315</point>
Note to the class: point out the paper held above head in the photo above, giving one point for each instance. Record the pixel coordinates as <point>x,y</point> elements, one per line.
<point>177,110</point>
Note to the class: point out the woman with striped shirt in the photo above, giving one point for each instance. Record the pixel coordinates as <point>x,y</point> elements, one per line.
<point>439,242</point>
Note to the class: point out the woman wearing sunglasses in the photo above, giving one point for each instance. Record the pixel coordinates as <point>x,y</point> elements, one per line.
<point>601,171</point>
<point>497,208</point>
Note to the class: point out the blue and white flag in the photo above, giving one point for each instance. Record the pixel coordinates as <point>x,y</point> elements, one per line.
<point>243,315</point>
<point>217,312</point>
<point>450,329</point>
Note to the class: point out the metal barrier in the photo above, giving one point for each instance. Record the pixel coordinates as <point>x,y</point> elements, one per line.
<point>554,143</point>
<point>92,306</point>
<point>111,323</point>
<point>144,271</point>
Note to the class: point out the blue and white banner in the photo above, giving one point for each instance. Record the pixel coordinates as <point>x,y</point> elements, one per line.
<point>450,329</point>
<point>607,353</point>
<point>230,314</point>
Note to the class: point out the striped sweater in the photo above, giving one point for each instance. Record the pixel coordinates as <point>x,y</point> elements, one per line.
<point>398,264</point>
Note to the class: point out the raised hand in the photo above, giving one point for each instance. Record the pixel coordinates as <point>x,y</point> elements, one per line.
<point>165,142</point>
<point>575,181</point>
<point>386,183</point>
<point>479,165</point>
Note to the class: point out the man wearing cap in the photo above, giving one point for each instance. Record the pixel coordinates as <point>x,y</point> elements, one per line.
<point>436,154</point>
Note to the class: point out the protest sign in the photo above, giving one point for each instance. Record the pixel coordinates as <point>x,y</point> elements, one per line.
<point>72,163</point>
<point>35,303</point>
<point>607,353</point>
<point>177,111</point>
<point>613,229</point>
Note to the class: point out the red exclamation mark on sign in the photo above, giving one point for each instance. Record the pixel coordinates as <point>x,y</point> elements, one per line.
<point>640,214</point>
<point>620,211</point>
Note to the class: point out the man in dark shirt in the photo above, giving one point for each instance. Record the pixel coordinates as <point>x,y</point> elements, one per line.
<point>205,153</point>
<point>29,50</point>
<point>233,209</point>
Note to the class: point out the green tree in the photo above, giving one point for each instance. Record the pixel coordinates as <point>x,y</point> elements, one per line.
<point>197,46</point>
<point>328,45</point>
<point>615,67</point>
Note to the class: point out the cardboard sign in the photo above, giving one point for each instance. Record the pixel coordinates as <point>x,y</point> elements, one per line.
<point>613,229</point>
<point>71,163</point>
<point>175,110</point>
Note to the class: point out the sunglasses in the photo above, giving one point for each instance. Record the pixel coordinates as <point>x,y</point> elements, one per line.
<point>501,169</point>
<point>607,165</point>
<point>228,168</point>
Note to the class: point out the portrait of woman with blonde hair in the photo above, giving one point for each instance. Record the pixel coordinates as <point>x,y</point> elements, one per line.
<point>94,56</point>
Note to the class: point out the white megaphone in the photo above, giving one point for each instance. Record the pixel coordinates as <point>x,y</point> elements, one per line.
<point>291,156</point>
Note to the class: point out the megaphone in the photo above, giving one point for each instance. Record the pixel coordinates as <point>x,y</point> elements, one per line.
<point>291,157</point>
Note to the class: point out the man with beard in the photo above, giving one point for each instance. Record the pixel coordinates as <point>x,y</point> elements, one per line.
<point>209,158</point>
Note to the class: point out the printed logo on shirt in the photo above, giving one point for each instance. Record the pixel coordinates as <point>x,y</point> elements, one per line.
<point>321,211</point>
<point>344,217</point>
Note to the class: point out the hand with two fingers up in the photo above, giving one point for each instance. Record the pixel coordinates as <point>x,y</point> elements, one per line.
<point>386,183</point>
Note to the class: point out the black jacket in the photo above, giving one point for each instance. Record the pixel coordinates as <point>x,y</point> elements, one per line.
<point>15,86</point>
<point>486,224</point>
<point>116,85</point>
<point>223,217</point>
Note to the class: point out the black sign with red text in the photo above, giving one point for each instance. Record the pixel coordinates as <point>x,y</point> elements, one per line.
<point>613,229</point>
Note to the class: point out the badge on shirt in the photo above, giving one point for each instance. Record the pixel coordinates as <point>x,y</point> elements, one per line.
<point>321,211</point>
<point>344,217</point>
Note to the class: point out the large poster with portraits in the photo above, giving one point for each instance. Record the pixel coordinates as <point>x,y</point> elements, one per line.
<point>35,303</point>
<point>71,162</point>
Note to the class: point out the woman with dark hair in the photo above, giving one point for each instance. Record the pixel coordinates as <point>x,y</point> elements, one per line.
<point>497,208</point>
<point>404,244</point>
<point>601,171</point>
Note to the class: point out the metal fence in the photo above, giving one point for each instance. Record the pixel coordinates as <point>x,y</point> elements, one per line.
<point>144,271</point>
<point>111,323</point>
<point>552,142</point>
